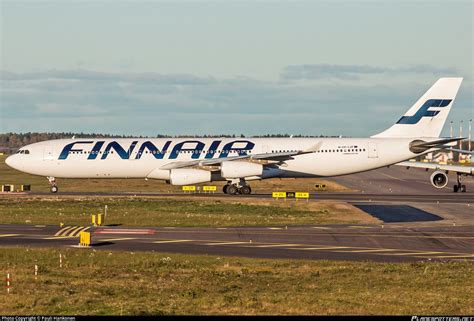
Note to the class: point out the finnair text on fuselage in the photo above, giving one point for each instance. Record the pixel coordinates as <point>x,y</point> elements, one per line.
<point>196,148</point>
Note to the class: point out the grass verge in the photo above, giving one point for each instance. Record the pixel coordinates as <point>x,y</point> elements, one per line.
<point>124,283</point>
<point>179,211</point>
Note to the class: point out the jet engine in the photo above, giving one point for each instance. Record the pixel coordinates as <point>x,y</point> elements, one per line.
<point>185,176</point>
<point>238,169</point>
<point>439,179</point>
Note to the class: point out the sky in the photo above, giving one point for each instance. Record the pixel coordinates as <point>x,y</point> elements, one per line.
<point>347,68</point>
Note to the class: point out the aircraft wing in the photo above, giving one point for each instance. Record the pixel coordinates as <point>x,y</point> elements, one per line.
<point>275,157</point>
<point>469,170</point>
<point>462,151</point>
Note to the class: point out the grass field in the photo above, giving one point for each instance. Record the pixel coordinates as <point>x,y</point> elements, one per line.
<point>178,211</point>
<point>40,184</point>
<point>152,283</point>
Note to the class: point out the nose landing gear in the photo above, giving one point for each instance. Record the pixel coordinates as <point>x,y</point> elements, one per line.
<point>54,186</point>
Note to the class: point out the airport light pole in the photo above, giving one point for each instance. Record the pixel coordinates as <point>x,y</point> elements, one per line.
<point>451,154</point>
<point>470,135</point>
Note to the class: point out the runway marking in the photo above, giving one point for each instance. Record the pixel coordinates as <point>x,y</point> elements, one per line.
<point>58,237</point>
<point>275,228</point>
<point>83,230</point>
<point>321,227</point>
<point>392,177</point>
<point>320,248</point>
<point>370,251</point>
<point>355,226</point>
<point>8,235</point>
<point>118,239</point>
<point>75,231</point>
<point>448,256</point>
<point>277,245</point>
<point>63,230</point>
<point>172,241</point>
<point>382,234</point>
<point>40,225</point>
<point>413,253</point>
<point>221,228</point>
<point>227,243</point>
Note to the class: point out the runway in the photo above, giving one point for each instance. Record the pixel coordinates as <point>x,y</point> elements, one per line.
<point>331,242</point>
<point>418,222</point>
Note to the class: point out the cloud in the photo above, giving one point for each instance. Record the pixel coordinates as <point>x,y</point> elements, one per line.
<point>354,72</point>
<point>153,103</point>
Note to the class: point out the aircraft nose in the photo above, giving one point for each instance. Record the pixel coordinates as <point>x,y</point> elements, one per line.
<point>10,160</point>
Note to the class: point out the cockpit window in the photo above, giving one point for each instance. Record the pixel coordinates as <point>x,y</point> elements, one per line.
<point>23,151</point>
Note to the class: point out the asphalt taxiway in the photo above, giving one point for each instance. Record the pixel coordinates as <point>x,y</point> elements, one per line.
<point>329,242</point>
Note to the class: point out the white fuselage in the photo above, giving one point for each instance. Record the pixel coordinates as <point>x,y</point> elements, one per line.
<point>139,157</point>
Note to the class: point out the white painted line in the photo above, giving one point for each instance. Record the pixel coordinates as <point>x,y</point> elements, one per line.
<point>370,251</point>
<point>63,229</point>
<point>58,237</point>
<point>227,243</point>
<point>278,245</point>
<point>321,227</point>
<point>172,241</point>
<point>74,231</point>
<point>413,253</point>
<point>125,231</point>
<point>275,228</point>
<point>320,248</point>
<point>119,239</point>
<point>450,256</point>
<point>8,235</point>
<point>355,226</point>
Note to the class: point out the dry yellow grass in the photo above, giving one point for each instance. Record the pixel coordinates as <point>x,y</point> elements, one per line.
<point>124,283</point>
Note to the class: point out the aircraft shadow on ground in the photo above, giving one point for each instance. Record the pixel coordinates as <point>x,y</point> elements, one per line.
<point>398,213</point>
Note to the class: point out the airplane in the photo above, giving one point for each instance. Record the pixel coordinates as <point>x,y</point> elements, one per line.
<point>238,161</point>
<point>439,178</point>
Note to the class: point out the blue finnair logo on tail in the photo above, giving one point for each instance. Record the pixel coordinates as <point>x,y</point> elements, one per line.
<point>424,111</point>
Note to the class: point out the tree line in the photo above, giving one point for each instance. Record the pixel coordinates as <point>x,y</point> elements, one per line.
<point>10,142</point>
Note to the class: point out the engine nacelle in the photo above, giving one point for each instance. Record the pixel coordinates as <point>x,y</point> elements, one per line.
<point>439,179</point>
<point>238,169</point>
<point>185,176</point>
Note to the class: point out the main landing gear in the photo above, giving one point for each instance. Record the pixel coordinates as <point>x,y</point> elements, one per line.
<point>459,187</point>
<point>239,187</point>
<point>54,186</point>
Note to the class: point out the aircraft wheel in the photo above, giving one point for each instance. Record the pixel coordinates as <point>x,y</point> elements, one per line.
<point>463,188</point>
<point>455,188</point>
<point>246,190</point>
<point>232,190</point>
<point>224,189</point>
<point>54,189</point>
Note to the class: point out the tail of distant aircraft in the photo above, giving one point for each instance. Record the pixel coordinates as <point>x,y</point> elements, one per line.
<point>427,116</point>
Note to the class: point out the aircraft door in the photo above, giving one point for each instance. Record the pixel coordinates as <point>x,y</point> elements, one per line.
<point>373,152</point>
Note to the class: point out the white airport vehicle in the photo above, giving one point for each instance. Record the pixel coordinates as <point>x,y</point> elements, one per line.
<point>439,178</point>
<point>183,161</point>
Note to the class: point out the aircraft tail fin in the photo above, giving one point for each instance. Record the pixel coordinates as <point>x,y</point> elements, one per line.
<point>427,116</point>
